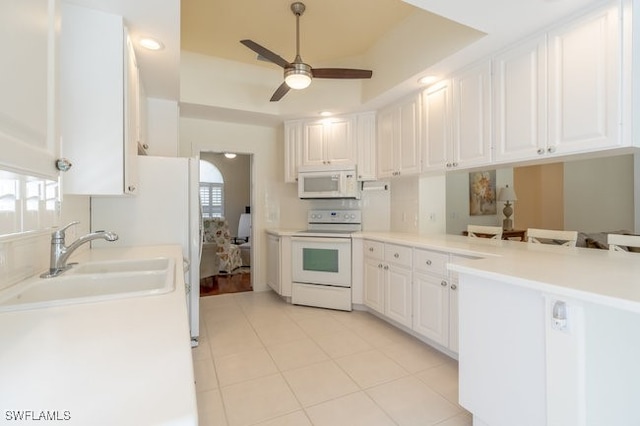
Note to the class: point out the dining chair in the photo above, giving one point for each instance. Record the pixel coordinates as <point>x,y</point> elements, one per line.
<point>552,236</point>
<point>484,231</point>
<point>621,242</point>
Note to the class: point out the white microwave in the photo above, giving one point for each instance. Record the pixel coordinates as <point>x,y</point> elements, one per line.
<point>318,183</point>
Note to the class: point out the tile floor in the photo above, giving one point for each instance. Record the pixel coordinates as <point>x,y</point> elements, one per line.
<point>262,361</point>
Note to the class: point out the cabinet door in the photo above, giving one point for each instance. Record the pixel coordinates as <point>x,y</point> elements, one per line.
<point>386,142</point>
<point>431,307</point>
<point>292,150</point>
<point>132,117</point>
<point>408,143</point>
<point>520,101</point>
<point>436,126</point>
<point>28,130</point>
<point>398,294</point>
<point>374,284</point>
<point>313,144</point>
<point>453,313</point>
<point>339,141</point>
<point>472,116</point>
<point>273,263</point>
<point>584,80</point>
<point>366,146</point>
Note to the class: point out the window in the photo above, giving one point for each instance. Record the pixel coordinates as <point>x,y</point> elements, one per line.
<point>212,199</point>
<point>211,190</point>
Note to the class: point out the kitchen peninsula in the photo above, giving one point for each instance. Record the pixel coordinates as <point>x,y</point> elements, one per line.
<point>546,333</point>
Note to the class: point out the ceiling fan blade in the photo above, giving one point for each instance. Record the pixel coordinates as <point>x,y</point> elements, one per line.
<point>340,73</point>
<point>266,53</point>
<point>280,92</point>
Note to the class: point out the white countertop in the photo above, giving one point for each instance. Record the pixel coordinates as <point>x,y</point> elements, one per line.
<point>119,362</point>
<point>592,275</point>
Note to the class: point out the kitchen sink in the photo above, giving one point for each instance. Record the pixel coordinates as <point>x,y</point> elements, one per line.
<point>117,266</point>
<point>93,282</point>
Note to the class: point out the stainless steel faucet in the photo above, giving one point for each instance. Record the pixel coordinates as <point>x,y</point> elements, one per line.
<point>60,253</point>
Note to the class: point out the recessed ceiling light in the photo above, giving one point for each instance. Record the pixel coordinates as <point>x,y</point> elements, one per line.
<point>230,155</point>
<point>326,113</point>
<point>151,43</point>
<point>428,79</point>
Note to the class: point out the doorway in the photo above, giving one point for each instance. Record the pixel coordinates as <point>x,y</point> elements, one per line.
<point>225,196</point>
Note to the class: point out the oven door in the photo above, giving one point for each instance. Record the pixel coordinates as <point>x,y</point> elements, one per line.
<point>320,260</point>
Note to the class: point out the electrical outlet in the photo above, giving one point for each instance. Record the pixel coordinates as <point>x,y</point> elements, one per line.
<point>432,217</point>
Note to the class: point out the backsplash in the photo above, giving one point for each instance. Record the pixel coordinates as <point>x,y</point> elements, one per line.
<point>29,208</point>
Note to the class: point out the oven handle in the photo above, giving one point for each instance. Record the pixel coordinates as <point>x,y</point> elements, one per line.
<point>321,239</point>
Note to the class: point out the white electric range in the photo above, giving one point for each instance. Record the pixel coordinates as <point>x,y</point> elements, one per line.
<point>321,259</point>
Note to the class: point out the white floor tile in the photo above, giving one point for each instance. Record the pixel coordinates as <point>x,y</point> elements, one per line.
<point>258,400</point>
<point>319,382</point>
<point>210,409</point>
<point>244,366</point>
<point>342,343</point>
<point>356,409</point>
<point>413,355</point>
<point>205,375</point>
<point>443,379</point>
<point>371,368</point>
<point>408,401</point>
<point>281,331</point>
<point>321,325</point>
<point>296,354</point>
<point>297,418</point>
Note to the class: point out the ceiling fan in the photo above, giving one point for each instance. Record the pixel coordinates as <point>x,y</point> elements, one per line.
<point>297,74</point>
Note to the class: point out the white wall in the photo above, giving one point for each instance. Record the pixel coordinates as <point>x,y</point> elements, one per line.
<point>162,127</point>
<point>275,204</point>
<point>599,194</point>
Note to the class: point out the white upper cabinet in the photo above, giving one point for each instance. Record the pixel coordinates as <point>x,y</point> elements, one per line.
<point>520,101</point>
<point>99,103</point>
<point>292,150</point>
<point>584,83</point>
<point>329,142</point>
<point>436,126</point>
<point>559,93</point>
<point>398,138</point>
<point>471,93</point>
<point>366,145</point>
<point>28,123</point>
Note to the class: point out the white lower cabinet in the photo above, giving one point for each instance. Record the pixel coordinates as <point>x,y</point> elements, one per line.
<point>413,287</point>
<point>387,280</point>
<point>279,264</point>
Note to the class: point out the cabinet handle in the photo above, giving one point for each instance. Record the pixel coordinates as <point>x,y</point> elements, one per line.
<point>370,248</point>
<point>448,165</point>
<point>455,164</point>
<point>551,149</point>
<point>131,188</point>
<point>428,262</point>
<point>379,265</point>
<point>540,151</point>
<point>396,255</point>
<point>453,286</point>
<point>443,283</point>
<point>386,267</point>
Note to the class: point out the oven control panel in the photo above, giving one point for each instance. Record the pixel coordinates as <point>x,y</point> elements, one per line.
<point>334,216</point>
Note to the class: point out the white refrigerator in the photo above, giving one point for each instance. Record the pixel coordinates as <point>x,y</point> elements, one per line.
<point>166,210</point>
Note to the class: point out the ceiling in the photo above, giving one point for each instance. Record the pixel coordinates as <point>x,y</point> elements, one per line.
<point>340,33</point>
<point>330,30</point>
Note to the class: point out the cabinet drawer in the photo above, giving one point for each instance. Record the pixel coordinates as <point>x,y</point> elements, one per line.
<point>374,249</point>
<point>432,262</point>
<point>400,255</point>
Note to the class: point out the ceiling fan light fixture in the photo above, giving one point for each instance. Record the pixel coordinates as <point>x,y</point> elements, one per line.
<point>298,77</point>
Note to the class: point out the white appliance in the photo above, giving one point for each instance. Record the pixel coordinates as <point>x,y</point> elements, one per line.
<point>166,210</point>
<point>328,183</point>
<point>321,259</point>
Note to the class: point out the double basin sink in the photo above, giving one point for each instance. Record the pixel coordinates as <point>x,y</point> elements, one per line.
<point>93,282</point>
